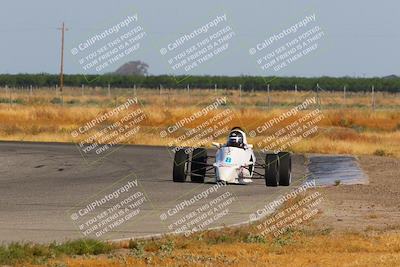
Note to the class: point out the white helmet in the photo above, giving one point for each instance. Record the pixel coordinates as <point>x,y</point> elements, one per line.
<point>237,138</point>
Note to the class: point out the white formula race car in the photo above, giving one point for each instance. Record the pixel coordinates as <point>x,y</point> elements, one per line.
<point>234,163</point>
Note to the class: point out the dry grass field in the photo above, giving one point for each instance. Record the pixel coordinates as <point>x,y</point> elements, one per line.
<point>293,249</point>
<point>349,125</point>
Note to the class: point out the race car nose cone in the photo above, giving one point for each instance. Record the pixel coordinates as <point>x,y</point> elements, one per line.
<point>227,174</point>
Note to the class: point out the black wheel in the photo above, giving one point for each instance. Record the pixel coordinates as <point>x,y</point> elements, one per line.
<point>285,168</point>
<point>271,174</point>
<point>198,166</point>
<point>180,166</point>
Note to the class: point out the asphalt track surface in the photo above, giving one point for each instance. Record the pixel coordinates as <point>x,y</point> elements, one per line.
<point>43,186</point>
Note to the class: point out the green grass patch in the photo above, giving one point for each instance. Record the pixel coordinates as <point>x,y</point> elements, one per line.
<point>380,152</point>
<point>39,253</point>
<point>251,238</point>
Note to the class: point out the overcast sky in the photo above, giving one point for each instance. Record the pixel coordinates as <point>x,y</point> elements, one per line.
<point>360,37</point>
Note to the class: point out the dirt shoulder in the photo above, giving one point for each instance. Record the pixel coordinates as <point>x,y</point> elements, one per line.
<point>364,207</point>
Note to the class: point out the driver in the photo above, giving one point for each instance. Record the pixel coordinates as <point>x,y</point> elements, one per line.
<point>235,139</point>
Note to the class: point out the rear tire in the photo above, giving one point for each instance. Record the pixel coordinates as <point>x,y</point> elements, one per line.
<point>285,168</point>
<point>180,166</point>
<point>198,166</point>
<point>271,174</point>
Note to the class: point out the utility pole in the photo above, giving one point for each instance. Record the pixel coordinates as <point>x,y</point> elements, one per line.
<point>63,29</point>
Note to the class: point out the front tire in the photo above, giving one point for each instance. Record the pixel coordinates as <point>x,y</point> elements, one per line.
<point>181,160</point>
<point>271,174</point>
<point>285,168</point>
<point>198,166</point>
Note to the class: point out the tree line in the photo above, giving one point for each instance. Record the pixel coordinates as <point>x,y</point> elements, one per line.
<point>247,83</point>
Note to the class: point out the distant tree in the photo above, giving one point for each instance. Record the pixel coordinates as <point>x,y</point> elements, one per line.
<point>137,68</point>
